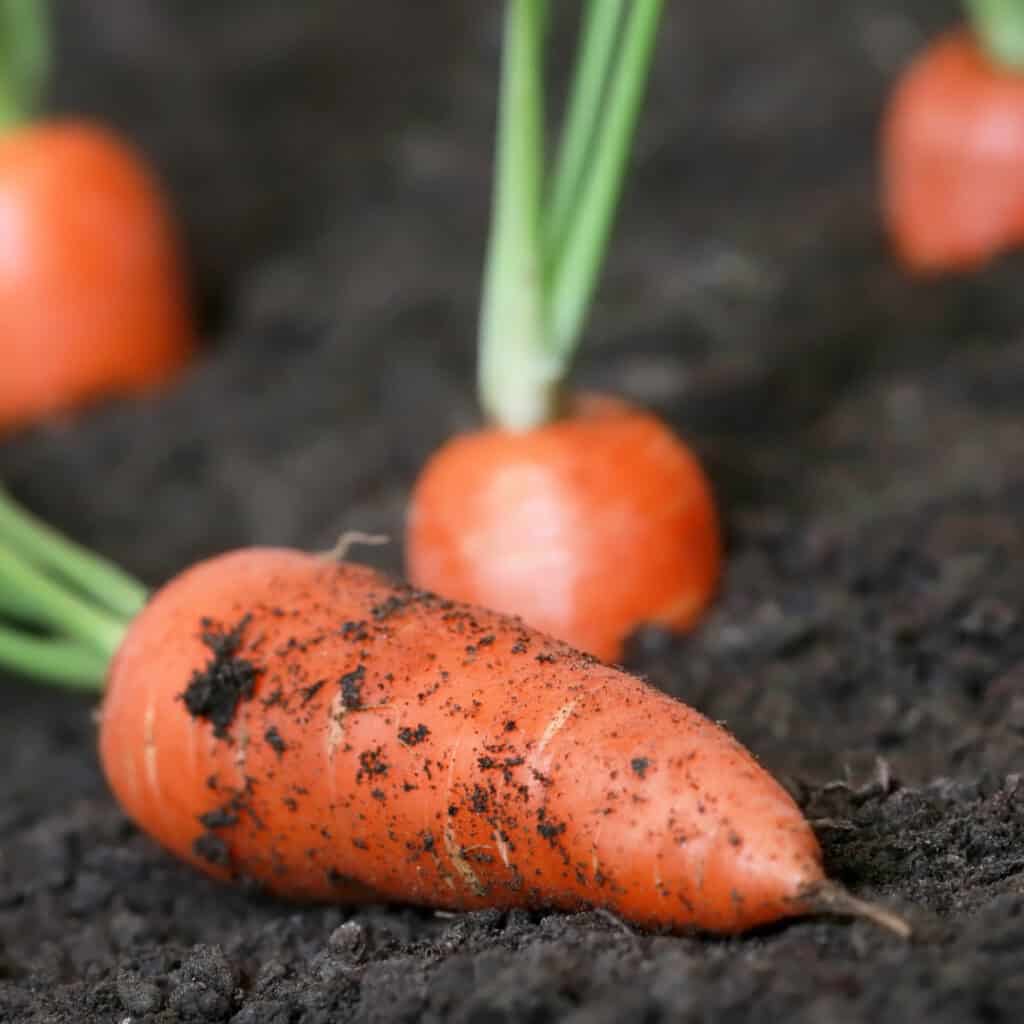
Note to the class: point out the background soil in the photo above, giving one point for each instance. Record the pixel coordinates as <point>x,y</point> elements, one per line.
<point>331,163</point>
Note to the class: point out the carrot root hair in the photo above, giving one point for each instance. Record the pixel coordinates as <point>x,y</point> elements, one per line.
<point>831,898</point>
<point>349,539</point>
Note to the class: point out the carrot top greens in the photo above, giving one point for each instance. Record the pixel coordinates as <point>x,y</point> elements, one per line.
<point>63,609</point>
<point>549,234</point>
<point>24,58</point>
<point>999,26</point>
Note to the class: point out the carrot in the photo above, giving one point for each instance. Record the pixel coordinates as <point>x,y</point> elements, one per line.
<point>586,517</point>
<point>93,300</point>
<point>953,144</point>
<point>595,522</point>
<point>329,734</point>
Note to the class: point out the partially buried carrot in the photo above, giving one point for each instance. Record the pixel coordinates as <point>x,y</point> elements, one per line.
<point>330,734</point>
<point>953,144</point>
<point>584,515</point>
<point>590,524</point>
<point>93,299</point>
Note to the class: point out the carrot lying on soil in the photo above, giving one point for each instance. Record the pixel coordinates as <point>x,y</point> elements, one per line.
<point>953,144</point>
<point>93,299</point>
<point>586,517</point>
<point>317,728</point>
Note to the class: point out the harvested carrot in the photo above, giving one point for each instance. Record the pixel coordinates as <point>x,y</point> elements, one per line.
<point>595,522</point>
<point>325,732</point>
<point>582,515</point>
<point>953,144</point>
<point>93,299</point>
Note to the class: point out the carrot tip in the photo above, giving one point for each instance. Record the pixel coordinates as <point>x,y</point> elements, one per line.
<point>830,898</point>
<point>348,540</point>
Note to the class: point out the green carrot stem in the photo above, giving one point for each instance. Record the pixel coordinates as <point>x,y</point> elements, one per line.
<point>583,110</point>
<point>53,660</point>
<point>999,26</point>
<point>575,274</point>
<point>24,59</point>
<point>517,377</point>
<point>51,605</point>
<point>41,544</point>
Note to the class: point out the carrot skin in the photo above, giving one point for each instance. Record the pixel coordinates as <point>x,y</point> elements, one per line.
<point>952,147</point>
<point>587,527</point>
<point>392,744</point>
<point>93,300</point>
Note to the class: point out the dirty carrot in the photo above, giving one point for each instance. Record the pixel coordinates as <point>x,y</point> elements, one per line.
<point>329,734</point>
<point>582,514</point>
<point>953,144</point>
<point>93,299</point>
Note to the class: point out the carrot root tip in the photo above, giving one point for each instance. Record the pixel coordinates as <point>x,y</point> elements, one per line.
<point>831,898</point>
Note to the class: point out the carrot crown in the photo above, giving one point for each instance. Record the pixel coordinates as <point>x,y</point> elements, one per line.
<point>549,234</point>
<point>63,609</point>
<point>999,27</point>
<point>24,58</point>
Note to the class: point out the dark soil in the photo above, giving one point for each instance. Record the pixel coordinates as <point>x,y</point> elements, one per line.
<point>864,432</point>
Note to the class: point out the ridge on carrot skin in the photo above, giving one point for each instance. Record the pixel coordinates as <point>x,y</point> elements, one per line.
<point>952,148</point>
<point>589,526</point>
<point>382,742</point>
<point>93,300</point>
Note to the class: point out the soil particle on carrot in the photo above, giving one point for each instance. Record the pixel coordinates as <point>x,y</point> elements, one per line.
<point>351,688</point>
<point>274,739</point>
<point>410,737</point>
<point>371,763</point>
<point>215,692</point>
<point>212,849</point>
<point>640,765</point>
<point>220,817</point>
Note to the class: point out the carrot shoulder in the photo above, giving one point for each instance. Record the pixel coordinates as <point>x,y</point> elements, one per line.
<point>330,734</point>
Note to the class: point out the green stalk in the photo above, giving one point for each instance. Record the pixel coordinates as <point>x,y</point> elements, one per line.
<point>999,26</point>
<point>24,59</point>
<point>596,52</point>
<point>574,276</point>
<point>52,660</point>
<point>41,544</point>
<point>517,377</point>
<point>51,605</point>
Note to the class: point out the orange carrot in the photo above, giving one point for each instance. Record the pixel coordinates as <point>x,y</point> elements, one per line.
<point>93,301</point>
<point>92,295</point>
<point>586,517</point>
<point>590,525</point>
<point>328,733</point>
<point>307,725</point>
<point>953,145</point>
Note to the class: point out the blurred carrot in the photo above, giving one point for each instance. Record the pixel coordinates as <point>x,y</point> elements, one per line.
<point>93,301</point>
<point>953,144</point>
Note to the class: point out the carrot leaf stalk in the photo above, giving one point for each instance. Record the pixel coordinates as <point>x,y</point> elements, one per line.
<point>548,243</point>
<point>576,266</point>
<point>999,26</point>
<point>517,375</point>
<point>67,662</point>
<point>41,543</point>
<point>63,609</point>
<point>597,52</point>
<point>24,59</point>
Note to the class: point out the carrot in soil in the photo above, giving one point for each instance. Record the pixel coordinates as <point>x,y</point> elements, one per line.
<point>93,300</point>
<point>953,144</point>
<point>330,734</point>
<point>585,516</point>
